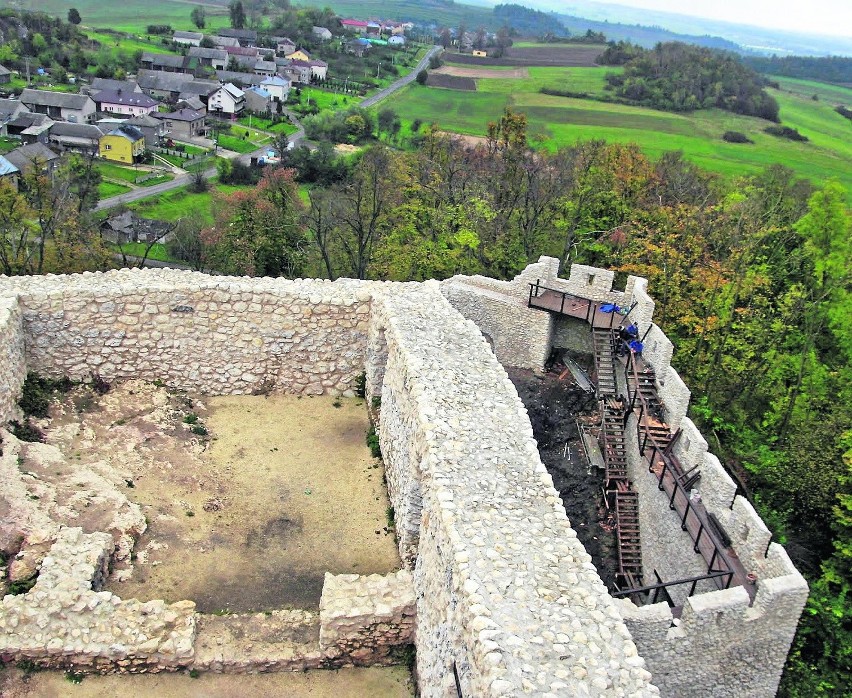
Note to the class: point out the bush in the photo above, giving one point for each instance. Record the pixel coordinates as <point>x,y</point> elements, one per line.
<point>159,29</point>
<point>843,111</point>
<point>422,77</point>
<point>785,132</point>
<point>373,443</point>
<point>736,137</point>
<point>27,432</point>
<point>37,392</point>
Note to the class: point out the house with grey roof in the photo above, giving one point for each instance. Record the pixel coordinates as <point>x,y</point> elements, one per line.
<point>30,127</point>
<point>101,84</point>
<point>239,78</point>
<point>58,106</point>
<point>125,103</point>
<point>246,37</point>
<point>258,100</point>
<point>9,109</point>
<point>33,154</point>
<point>183,123</point>
<point>214,57</point>
<point>162,85</point>
<point>162,61</point>
<point>265,68</point>
<point>321,33</point>
<point>152,129</point>
<point>187,38</point>
<point>79,137</point>
<point>224,41</point>
<point>5,75</point>
<point>191,102</point>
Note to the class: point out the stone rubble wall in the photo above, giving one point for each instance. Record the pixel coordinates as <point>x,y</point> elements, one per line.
<point>505,591</point>
<point>217,335</point>
<point>64,621</point>
<point>13,368</point>
<point>363,618</point>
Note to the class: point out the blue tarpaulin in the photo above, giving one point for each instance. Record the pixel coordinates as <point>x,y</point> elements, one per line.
<point>636,346</point>
<point>609,308</point>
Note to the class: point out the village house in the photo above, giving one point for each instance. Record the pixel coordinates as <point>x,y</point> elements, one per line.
<point>9,109</point>
<point>478,53</point>
<point>299,54</point>
<point>216,58</point>
<point>321,33</point>
<point>125,144</point>
<point>278,87</point>
<point>354,25</point>
<point>202,89</point>
<point>5,75</point>
<point>265,68</point>
<point>30,127</point>
<point>228,99</point>
<point>63,106</point>
<point>396,40</point>
<point>258,101</point>
<point>166,62</point>
<point>224,41</point>
<point>300,74</point>
<point>183,123</point>
<point>187,38</point>
<point>239,78</point>
<point>126,103</point>
<point>285,45</point>
<point>9,173</point>
<point>101,84</point>
<point>161,85</point>
<point>83,138</point>
<point>358,47</point>
<point>246,37</point>
<point>193,102</point>
<point>152,129</point>
<point>27,156</point>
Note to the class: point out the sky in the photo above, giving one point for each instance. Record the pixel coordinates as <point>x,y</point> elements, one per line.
<point>832,17</point>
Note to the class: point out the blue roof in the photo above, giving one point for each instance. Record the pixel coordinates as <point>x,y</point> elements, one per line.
<point>259,91</point>
<point>6,167</point>
<point>275,80</point>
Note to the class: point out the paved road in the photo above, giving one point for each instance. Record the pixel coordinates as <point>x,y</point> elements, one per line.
<point>402,82</point>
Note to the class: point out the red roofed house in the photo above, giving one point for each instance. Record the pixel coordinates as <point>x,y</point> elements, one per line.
<point>355,25</point>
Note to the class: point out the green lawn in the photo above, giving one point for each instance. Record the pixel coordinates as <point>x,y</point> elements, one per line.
<point>558,121</point>
<point>326,100</point>
<point>108,189</point>
<point>137,249</point>
<point>112,171</point>
<point>267,125</point>
<point>129,43</point>
<point>179,203</point>
<point>238,145</point>
<point>7,144</point>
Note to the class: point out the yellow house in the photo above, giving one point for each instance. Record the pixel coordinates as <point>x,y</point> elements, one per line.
<point>480,54</point>
<point>125,144</point>
<point>299,55</point>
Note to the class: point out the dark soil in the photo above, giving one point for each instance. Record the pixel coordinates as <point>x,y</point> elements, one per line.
<point>553,406</point>
<point>451,82</point>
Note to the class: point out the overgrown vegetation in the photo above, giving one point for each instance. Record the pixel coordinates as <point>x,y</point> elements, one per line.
<point>38,391</point>
<point>682,77</point>
<point>373,443</point>
<point>791,134</point>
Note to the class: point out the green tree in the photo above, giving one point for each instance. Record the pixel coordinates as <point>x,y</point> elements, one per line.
<point>237,14</point>
<point>74,16</point>
<point>198,17</point>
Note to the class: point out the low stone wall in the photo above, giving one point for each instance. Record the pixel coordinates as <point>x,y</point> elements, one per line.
<point>64,621</point>
<point>364,618</point>
<point>13,369</point>
<point>505,592</point>
<point>217,335</point>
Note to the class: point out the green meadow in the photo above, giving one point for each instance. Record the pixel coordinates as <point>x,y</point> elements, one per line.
<point>559,121</point>
<point>128,16</point>
<point>177,203</point>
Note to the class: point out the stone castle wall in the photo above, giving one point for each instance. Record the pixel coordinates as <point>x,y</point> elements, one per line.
<point>721,645</point>
<point>217,335</point>
<point>506,597</point>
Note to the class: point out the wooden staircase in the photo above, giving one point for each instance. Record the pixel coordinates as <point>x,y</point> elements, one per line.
<point>629,547</point>
<point>604,345</point>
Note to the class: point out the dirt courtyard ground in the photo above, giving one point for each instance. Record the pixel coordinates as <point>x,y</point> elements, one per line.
<point>460,72</point>
<point>286,491</point>
<point>391,682</point>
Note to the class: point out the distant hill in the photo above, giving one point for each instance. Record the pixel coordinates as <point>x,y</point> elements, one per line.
<point>835,69</point>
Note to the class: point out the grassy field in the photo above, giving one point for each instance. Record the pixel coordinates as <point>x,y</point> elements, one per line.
<point>267,125</point>
<point>7,144</point>
<point>238,145</point>
<point>128,16</point>
<point>179,203</point>
<point>137,249</point>
<point>129,44</point>
<point>558,121</point>
<point>108,189</point>
<point>128,174</point>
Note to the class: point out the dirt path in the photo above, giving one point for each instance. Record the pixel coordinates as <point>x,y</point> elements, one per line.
<point>460,72</point>
<point>285,492</point>
<point>392,682</point>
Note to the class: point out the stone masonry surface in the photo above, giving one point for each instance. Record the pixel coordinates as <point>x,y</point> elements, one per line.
<point>505,595</point>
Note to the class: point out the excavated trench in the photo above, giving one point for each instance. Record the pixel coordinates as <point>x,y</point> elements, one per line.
<point>554,407</point>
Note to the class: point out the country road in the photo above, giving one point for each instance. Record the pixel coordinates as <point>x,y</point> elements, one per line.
<point>402,82</point>
<point>296,138</point>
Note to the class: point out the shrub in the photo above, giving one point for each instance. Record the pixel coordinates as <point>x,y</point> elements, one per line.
<point>843,111</point>
<point>373,443</point>
<point>736,137</point>
<point>422,77</point>
<point>27,431</point>
<point>37,391</point>
<point>785,132</point>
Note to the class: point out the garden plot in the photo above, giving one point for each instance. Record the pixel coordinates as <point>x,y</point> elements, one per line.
<point>238,503</point>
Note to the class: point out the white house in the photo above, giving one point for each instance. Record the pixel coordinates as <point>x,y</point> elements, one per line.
<point>277,87</point>
<point>128,103</point>
<point>187,38</point>
<point>396,40</point>
<point>321,33</point>
<point>228,99</point>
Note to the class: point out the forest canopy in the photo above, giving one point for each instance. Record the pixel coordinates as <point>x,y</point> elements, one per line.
<point>681,77</point>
